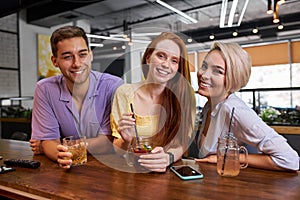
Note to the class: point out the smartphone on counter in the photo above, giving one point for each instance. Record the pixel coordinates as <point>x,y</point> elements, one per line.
<point>186,172</point>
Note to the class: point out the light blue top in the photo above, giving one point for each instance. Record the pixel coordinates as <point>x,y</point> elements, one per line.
<point>249,129</point>
<point>54,115</point>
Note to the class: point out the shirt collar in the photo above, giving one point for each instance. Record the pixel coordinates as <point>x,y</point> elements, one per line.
<point>217,108</point>
<point>65,94</point>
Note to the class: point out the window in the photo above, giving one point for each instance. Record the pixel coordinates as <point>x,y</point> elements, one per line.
<point>273,78</point>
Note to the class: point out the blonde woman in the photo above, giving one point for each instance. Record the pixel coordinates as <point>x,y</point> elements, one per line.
<point>226,69</point>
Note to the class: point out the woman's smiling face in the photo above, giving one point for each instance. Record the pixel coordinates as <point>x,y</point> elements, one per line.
<point>211,77</point>
<point>163,62</point>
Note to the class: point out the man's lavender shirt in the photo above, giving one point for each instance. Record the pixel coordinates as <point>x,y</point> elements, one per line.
<point>55,116</point>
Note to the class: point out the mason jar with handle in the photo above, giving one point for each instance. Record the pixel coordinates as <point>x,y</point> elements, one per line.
<point>228,156</point>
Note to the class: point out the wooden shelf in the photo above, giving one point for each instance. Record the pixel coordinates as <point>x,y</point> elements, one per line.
<point>19,120</point>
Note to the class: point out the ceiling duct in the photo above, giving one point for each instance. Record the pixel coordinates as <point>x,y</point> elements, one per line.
<point>54,12</point>
<point>11,6</point>
<point>234,11</point>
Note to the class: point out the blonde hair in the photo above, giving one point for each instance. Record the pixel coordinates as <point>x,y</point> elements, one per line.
<point>238,65</point>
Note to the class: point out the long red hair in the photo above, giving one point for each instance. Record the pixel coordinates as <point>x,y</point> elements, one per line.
<point>178,98</point>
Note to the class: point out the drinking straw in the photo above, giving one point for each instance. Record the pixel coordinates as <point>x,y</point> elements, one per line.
<point>136,133</point>
<point>228,135</point>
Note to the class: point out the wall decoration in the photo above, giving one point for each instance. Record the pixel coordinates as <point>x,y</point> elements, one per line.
<point>45,66</point>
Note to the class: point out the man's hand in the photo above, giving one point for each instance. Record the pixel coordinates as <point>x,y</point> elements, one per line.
<point>36,146</point>
<point>64,157</point>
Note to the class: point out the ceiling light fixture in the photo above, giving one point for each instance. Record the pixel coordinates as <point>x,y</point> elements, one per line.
<point>137,34</point>
<point>96,45</point>
<point>255,30</point>
<point>212,37</point>
<point>280,26</point>
<point>275,14</point>
<point>189,40</point>
<point>274,5</point>
<point>130,43</point>
<point>235,33</point>
<point>232,13</point>
<point>182,14</point>
<point>280,2</point>
<point>106,37</point>
<point>116,38</point>
<point>270,7</point>
<point>125,28</point>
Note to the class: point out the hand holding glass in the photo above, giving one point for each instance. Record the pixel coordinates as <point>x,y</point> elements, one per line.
<point>76,146</point>
<point>135,149</point>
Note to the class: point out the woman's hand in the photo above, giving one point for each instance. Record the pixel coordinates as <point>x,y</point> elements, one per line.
<point>156,161</point>
<point>64,157</point>
<point>36,146</point>
<point>126,127</point>
<point>208,159</point>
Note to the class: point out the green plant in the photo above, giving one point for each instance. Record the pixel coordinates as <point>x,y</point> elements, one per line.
<point>270,114</point>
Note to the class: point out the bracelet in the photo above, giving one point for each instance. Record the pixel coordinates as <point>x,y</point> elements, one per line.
<point>171,158</point>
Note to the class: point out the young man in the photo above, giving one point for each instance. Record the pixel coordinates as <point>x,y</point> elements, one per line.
<point>78,102</point>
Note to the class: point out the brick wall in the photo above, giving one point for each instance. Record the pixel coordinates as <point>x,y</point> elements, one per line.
<point>9,56</point>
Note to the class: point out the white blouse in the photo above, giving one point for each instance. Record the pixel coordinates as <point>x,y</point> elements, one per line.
<point>249,129</point>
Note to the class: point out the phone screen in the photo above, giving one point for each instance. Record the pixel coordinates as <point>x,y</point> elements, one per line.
<point>186,172</point>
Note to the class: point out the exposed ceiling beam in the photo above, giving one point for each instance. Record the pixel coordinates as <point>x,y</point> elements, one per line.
<point>154,18</point>
<point>266,29</point>
<point>53,7</point>
<point>12,6</point>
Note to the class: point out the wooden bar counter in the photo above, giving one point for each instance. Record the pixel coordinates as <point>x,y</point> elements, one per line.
<point>96,180</point>
<point>295,130</point>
